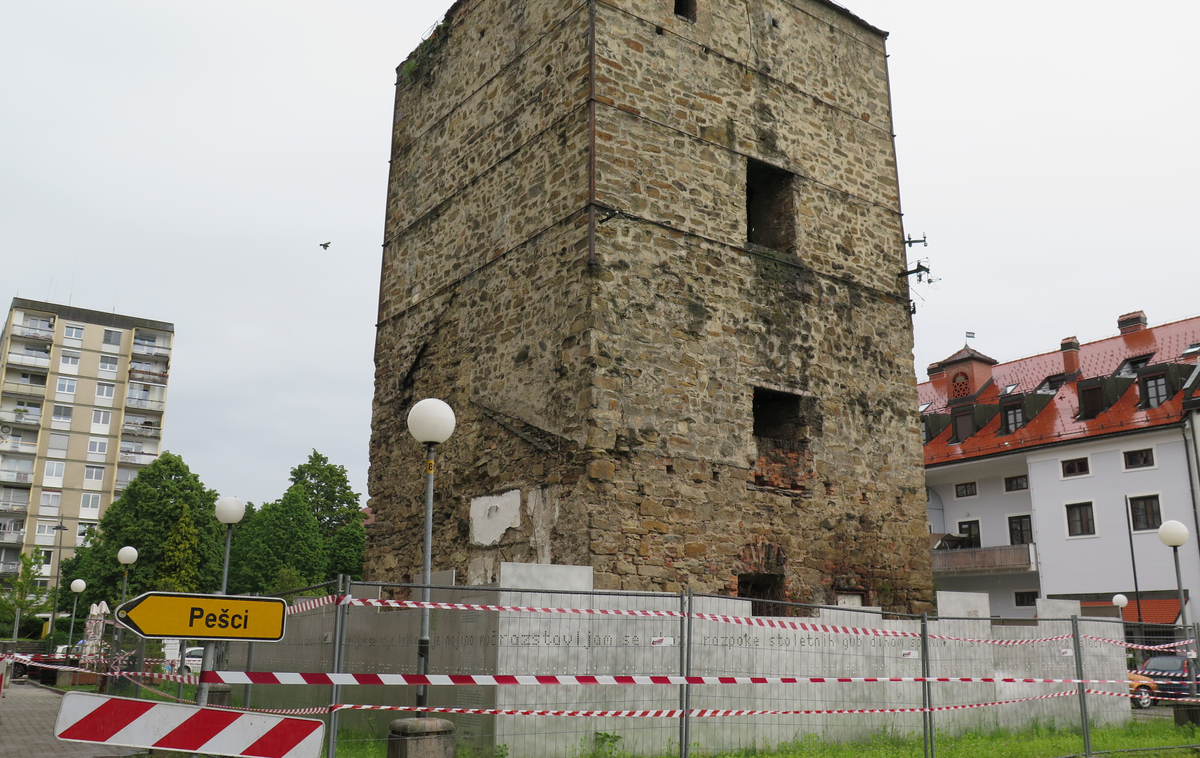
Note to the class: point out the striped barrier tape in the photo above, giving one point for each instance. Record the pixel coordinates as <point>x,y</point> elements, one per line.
<point>317,602</point>
<point>1132,646</point>
<point>1157,696</point>
<point>443,680</point>
<point>374,603</point>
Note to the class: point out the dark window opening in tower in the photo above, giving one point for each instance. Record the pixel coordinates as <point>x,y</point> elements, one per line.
<point>770,216</point>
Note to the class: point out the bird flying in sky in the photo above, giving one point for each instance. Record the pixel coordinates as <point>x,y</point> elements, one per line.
<point>325,245</point>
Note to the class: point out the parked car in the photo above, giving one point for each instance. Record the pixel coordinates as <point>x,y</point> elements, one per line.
<point>1159,678</point>
<point>193,658</point>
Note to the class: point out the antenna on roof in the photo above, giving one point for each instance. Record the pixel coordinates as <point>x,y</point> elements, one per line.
<point>909,242</point>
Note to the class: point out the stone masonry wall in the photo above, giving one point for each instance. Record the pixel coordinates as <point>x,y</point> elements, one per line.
<point>568,268</point>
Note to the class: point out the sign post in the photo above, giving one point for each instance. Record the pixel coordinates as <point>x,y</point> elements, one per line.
<point>204,617</point>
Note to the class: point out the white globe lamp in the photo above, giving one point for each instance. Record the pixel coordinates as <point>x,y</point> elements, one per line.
<point>78,586</point>
<point>1173,533</point>
<point>230,510</point>
<point>127,555</point>
<point>431,421</point>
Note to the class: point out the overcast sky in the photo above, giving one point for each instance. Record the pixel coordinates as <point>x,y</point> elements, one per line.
<point>181,161</point>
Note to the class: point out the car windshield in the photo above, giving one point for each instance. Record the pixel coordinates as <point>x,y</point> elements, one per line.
<point>1164,663</point>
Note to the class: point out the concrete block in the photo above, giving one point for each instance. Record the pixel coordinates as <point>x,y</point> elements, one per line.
<point>421,738</point>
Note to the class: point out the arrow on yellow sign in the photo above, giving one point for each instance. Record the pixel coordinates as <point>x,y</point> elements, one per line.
<point>204,617</point>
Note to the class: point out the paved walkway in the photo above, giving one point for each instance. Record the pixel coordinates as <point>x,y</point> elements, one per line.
<point>27,715</point>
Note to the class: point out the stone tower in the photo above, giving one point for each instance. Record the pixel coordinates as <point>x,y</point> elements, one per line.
<point>651,252</point>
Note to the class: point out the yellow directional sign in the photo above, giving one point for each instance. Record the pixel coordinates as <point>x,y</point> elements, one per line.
<point>204,617</point>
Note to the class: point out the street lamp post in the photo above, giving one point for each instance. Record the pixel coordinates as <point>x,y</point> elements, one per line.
<point>230,511</point>
<point>126,556</point>
<point>1174,534</point>
<point>77,586</point>
<point>430,422</point>
<point>57,581</point>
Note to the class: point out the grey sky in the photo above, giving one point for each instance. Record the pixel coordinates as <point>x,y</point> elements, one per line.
<point>182,161</point>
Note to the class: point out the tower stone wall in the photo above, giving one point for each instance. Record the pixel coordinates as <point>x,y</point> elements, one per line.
<point>654,264</point>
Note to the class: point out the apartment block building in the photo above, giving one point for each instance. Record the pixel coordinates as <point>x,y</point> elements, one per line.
<point>81,412</point>
<point>1048,476</point>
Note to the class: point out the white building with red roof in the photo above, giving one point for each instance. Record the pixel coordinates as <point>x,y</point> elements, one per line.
<point>1048,476</point>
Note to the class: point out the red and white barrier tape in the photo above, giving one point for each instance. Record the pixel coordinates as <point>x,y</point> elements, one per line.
<point>373,603</point>
<point>1155,695</point>
<point>442,680</point>
<point>316,602</point>
<point>1132,646</point>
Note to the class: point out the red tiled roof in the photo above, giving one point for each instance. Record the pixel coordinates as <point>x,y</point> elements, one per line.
<point>1057,422</point>
<point>1163,611</point>
<point>966,352</point>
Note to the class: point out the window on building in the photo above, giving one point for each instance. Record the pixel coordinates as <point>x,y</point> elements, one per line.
<point>105,390</point>
<point>1076,467</point>
<point>90,502</point>
<point>103,418</point>
<point>1016,483</point>
<point>46,529</point>
<point>54,469</point>
<point>70,359</point>
<point>1025,599</point>
<point>964,426</point>
<point>1008,388</point>
<point>73,332</point>
<point>37,323</point>
<point>960,385</point>
<point>1020,530</point>
<point>112,337</point>
<point>108,363</point>
<point>1091,402</point>
<point>97,446</point>
<point>142,338</point>
<point>969,530</point>
<point>131,446</point>
<point>66,385</point>
<point>966,489</point>
<point>83,533</point>
<point>58,441</point>
<point>764,591</point>
<point>51,498</point>
<point>36,380</point>
<point>62,412</point>
<point>1144,512</point>
<point>1139,458</point>
<point>1014,417</point>
<point>782,415</point>
<point>1130,367</point>
<point>1192,349</point>
<point>45,557</point>
<point>770,216</point>
<point>93,473</point>
<point>1079,519</point>
<point>1155,391</point>
<point>686,9</point>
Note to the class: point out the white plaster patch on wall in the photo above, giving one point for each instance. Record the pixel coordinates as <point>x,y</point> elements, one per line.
<point>492,515</point>
<point>543,515</point>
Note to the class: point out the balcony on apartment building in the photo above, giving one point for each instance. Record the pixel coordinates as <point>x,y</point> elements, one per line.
<point>136,458</point>
<point>985,560</point>
<point>21,418</point>
<point>24,389</point>
<point>10,567</point>
<point>145,404</point>
<point>12,537</point>
<point>17,446</point>
<point>15,505</point>
<point>146,375</point>
<point>150,349</point>
<point>32,360</point>
<point>141,430</point>
<point>33,332</point>
<point>10,476</point>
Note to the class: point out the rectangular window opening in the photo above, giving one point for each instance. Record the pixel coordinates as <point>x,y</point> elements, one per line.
<point>966,489</point>
<point>1144,513</point>
<point>1025,599</point>
<point>784,416</point>
<point>1139,458</point>
<point>964,427</point>
<point>770,208</point>
<point>1079,519</point>
<point>1076,467</point>
<point>1014,417</point>
<point>969,530</point>
<point>686,9</point>
<point>1155,391</point>
<point>1091,402</point>
<point>1016,483</point>
<point>764,591</point>
<point>1020,530</point>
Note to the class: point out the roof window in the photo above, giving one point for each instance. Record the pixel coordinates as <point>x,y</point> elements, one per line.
<point>1130,367</point>
<point>1192,349</point>
<point>1008,388</point>
<point>924,407</point>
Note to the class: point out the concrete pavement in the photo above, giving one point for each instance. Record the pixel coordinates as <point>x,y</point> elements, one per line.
<point>27,715</point>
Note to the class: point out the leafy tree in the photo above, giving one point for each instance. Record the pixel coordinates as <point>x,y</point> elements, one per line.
<point>151,508</point>
<point>346,550</point>
<point>280,534</point>
<point>180,567</point>
<point>328,491</point>
<point>24,598</point>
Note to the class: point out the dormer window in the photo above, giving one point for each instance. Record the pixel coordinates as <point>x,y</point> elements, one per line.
<point>1091,402</point>
<point>1014,417</point>
<point>964,426</point>
<point>1130,367</point>
<point>1154,390</point>
<point>960,386</point>
<point>1051,385</point>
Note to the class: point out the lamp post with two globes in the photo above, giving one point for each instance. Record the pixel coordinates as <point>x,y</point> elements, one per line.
<point>1174,534</point>
<point>430,422</point>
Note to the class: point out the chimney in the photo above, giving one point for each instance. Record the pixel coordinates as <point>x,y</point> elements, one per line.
<point>1070,354</point>
<point>1132,322</point>
<point>935,369</point>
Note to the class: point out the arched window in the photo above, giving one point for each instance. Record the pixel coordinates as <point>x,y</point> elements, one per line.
<point>960,386</point>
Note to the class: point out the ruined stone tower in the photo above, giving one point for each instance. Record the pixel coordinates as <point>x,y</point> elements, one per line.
<point>650,251</point>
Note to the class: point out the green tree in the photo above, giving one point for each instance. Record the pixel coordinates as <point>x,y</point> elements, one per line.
<point>145,515</point>
<point>180,567</point>
<point>278,535</point>
<point>328,491</point>
<point>23,598</point>
<point>346,550</point>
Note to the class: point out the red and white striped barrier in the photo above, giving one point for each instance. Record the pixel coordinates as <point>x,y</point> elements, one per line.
<point>373,603</point>
<point>83,717</point>
<point>316,602</point>
<point>695,713</point>
<point>1132,646</point>
<point>443,680</point>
